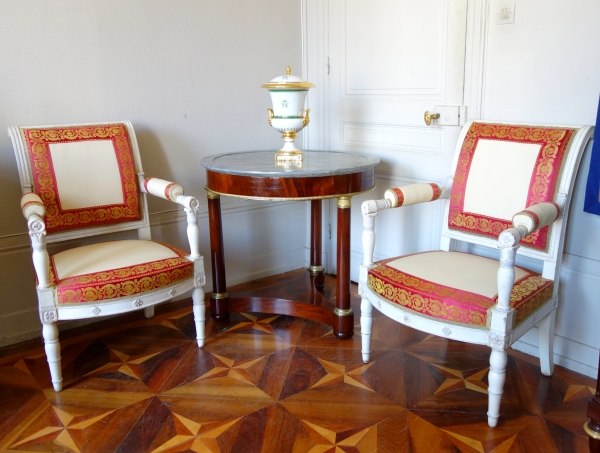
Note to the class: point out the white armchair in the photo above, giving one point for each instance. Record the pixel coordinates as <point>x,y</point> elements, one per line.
<point>510,189</point>
<point>86,180</point>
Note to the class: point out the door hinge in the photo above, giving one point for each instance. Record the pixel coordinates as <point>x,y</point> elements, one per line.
<point>328,66</point>
<point>329,225</point>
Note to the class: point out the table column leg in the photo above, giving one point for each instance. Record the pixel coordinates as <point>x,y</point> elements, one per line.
<point>592,428</point>
<point>219,299</point>
<point>343,317</point>
<point>316,268</point>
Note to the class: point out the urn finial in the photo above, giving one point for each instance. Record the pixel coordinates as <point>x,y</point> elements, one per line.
<point>288,70</point>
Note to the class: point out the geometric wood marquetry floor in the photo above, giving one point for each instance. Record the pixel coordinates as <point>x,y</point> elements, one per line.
<point>268,383</point>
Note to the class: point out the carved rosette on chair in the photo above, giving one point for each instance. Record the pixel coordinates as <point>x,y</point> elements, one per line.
<point>80,181</point>
<point>288,116</point>
<point>510,189</point>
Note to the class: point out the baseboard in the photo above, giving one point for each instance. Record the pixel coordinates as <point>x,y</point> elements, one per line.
<point>579,358</point>
<point>261,266</point>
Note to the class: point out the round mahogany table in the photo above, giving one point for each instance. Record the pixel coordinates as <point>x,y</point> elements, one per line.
<point>321,175</point>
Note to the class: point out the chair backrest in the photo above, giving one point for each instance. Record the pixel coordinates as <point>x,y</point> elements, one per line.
<point>87,175</point>
<point>500,169</point>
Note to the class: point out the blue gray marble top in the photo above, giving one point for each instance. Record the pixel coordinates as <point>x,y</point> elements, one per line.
<point>314,163</point>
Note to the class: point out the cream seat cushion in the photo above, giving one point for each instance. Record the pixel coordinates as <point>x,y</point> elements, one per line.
<point>454,286</point>
<point>116,269</point>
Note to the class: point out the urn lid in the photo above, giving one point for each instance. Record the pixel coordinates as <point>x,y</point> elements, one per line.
<point>288,82</point>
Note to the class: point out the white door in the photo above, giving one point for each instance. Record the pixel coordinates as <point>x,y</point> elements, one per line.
<point>389,62</point>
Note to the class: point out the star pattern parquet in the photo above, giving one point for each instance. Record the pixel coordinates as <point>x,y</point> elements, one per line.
<point>269,383</point>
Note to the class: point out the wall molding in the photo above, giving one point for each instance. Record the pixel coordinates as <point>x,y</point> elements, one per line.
<point>401,138</point>
<point>478,13</point>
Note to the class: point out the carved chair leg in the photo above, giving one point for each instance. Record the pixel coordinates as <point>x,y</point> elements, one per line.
<point>149,312</point>
<point>546,336</point>
<point>366,327</point>
<point>199,314</point>
<point>496,378</point>
<point>52,346</point>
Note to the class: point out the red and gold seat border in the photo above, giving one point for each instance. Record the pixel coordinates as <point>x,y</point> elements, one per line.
<point>44,178</point>
<point>123,282</point>
<point>542,188</point>
<point>454,305</point>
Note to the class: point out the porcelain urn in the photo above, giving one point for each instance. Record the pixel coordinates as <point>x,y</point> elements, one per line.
<point>288,116</point>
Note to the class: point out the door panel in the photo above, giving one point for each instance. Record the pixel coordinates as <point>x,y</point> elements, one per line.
<point>380,51</point>
<point>390,61</point>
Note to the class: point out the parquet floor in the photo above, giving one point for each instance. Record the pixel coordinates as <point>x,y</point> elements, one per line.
<point>267,383</point>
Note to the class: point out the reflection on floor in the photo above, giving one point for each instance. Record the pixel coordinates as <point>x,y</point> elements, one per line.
<point>268,383</point>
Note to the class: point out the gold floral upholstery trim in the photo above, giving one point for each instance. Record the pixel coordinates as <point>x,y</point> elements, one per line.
<point>544,181</point>
<point>437,191</point>
<point>123,282</point>
<point>529,294</point>
<point>44,178</point>
<point>451,304</point>
<point>399,196</point>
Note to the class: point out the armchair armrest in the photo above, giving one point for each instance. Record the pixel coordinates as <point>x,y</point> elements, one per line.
<point>163,189</point>
<point>33,210</point>
<point>527,221</point>
<point>393,198</point>
<point>174,192</point>
<point>31,204</point>
<point>537,216</point>
<point>403,196</point>
<point>412,194</point>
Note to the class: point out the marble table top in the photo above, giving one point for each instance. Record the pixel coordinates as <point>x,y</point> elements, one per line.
<point>314,163</point>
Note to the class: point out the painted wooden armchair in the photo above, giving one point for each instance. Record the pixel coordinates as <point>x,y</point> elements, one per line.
<point>510,189</point>
<point>85,180</point>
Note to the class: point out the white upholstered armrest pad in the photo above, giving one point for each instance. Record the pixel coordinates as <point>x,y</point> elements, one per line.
<point>31,203</point>
<point>537,216</point>
<point>107,256</point>
<point>163,189</point>
<point>412,194</point>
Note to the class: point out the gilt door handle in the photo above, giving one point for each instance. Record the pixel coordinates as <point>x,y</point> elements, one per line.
<point>429,117</point>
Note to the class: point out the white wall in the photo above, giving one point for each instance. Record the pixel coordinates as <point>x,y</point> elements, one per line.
<point>545,68</point>
<point>187,73</point>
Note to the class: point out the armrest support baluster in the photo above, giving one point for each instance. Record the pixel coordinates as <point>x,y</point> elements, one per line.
<point>174,192</point>
<point>525,222</point>
<point>34,211</point>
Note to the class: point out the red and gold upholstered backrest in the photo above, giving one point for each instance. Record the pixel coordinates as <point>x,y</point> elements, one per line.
<point>503,169</point>
<point>85,175</point>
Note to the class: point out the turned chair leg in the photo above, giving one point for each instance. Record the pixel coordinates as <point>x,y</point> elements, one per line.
<point>546,336</point>
<point>149,312</point>
<point>366,327</point>
<point>199,314</point>
<point>52,346</point>
<point>496,378</point>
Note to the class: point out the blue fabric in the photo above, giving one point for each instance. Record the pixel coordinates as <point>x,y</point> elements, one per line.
<point>592,190</point>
